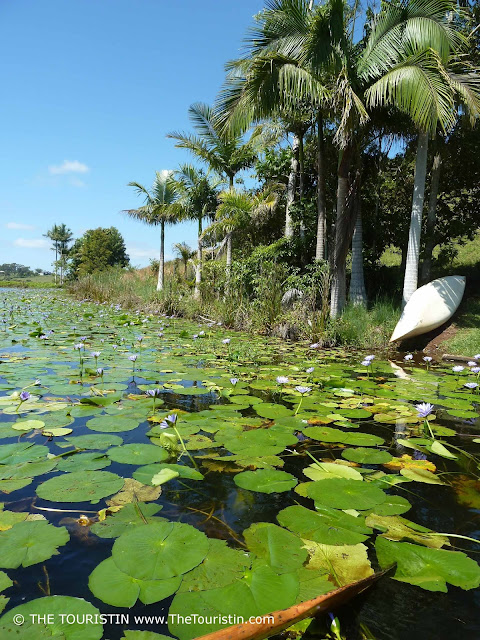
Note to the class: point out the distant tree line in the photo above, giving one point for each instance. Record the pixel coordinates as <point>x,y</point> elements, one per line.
<point>96,250</point>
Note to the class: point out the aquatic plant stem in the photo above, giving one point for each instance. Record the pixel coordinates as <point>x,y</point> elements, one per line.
<point>184,447</point>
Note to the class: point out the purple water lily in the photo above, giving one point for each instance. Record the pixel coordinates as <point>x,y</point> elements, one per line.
<point>427,358</point>
<point>100,371</point>
<point>133,358</point>
<point>233,381</point>
<point>282,380</point>
<point>408,357</point>
<point>303,390</point>
<point>424,409</point>
<point>310,369</point>
<point>226,341</point>
<point>458,369</point>
<point>471,385</point>
<point>154,393</point>
<point>24,396</point>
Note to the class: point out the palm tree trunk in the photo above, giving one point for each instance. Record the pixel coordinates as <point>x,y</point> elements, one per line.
<point>358,294</point>
<point>292,185</point>
<point>56,260</point>
<point>301,168</point>
<point>161,266</point>
<point>198,267</point>
<point>432,216</point>
<point>344,225</point>
<point>229,258</point>
<point>321,218</point>
<point>228,266</point>
<point>411,268</point>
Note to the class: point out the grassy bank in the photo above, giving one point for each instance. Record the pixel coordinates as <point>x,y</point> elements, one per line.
<point>363,328</point>
<point>27,283</point>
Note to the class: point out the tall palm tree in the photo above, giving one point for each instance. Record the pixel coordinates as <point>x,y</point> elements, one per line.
<point>157,210</point>
<point>184,252</point>
<point>64,236</point>
<point>429,85</point>
<point>197,200</point>
<point>61,237</point>
<point>296,53</point>
<point>237,210</point>
<point>223,151</point>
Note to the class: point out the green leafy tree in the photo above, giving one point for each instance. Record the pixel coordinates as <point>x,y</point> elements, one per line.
<point>97,250</point>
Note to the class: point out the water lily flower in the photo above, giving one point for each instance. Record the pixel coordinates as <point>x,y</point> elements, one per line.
<point>79,346</point>
<point>369,358</point>
<point>201,333</point>
<point>282,380</point>
<point>226,341</point>
<point>169,421</point>
<point>471,385</point>
<point>366,363</point>
<point>95,354</point>
<point>303,390</point>
<point>475,370</point>
<point>315,345</point>
<point>471,363</point>
<point>458,369</point>
<point>310,369</point>
<point>37,382</point>
<point>24,396</point>
<point>427,358</point>
<point>153,393</point>
<point>114,346</point>
<point>233,381</point>
<point>133,357</point>
<point>424,409</point>
<point>83,338</point>
<point>408,357</point>
<point>477,357</point>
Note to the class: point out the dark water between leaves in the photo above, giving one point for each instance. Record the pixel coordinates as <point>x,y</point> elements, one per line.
<point>194,375</point>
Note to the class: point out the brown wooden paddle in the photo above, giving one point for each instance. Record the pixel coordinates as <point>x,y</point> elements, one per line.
<point>285,618</point>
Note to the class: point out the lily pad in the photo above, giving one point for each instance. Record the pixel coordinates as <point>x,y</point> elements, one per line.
<point>280,549</point>
<point>28,543</point>
<point>80,486</point>
<point>341,493</point>
<point>325,525</point>
<point>430,569</point>
<point>137,454</point>
<point>265,481</point>
<point>161,550</point>
<point>114,587</point>
<point>83,614</point>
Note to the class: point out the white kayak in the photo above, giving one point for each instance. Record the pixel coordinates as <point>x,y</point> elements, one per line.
<point>429,307</point>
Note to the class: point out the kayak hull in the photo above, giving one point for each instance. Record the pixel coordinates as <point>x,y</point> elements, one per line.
<point>429,307</point>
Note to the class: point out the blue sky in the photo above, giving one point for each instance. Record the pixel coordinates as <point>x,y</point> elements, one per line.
<point>89,90</point>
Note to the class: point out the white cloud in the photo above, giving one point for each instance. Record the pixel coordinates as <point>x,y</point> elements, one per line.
<point>68,166</point>
<point>19,225</point>
<point>32,243</point>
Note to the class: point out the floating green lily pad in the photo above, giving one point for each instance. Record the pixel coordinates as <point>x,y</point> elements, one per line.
<point>341,493</point>
<point>265,481</point>
<point>80,486</point>
<point>28,543</point>
<point>159,551</point>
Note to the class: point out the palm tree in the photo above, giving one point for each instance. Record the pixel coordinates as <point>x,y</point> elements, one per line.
<point>157,210</point>
<point>237,210</point>
<point>197,200</point>
<point>428,85</point>
<point>64,236</point>
<point>61,237</point>
<point>301,54</point>
<point>184,252</point>
<point>223,151</point>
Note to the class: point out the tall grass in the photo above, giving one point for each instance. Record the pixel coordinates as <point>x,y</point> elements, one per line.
<point>358,327</point>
